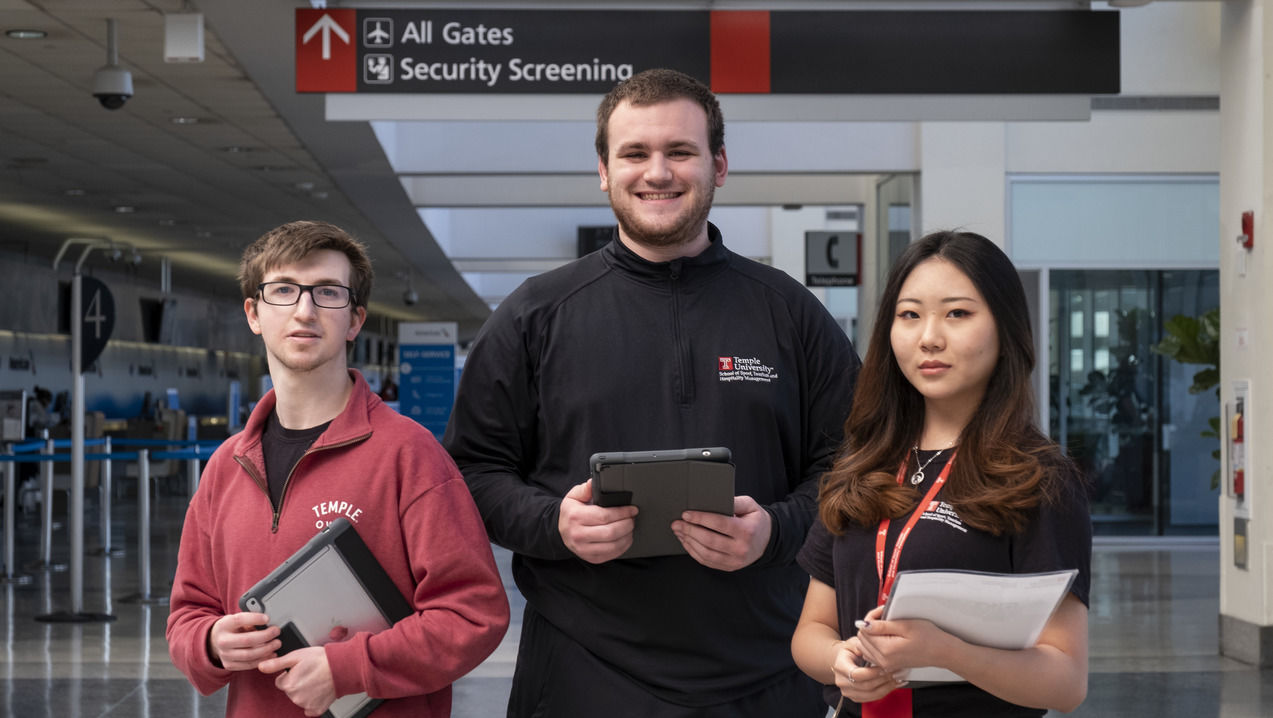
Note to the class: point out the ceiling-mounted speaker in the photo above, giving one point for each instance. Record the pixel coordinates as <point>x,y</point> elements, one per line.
<point>183,37</point>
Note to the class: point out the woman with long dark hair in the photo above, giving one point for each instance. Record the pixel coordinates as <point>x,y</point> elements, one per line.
<point>943,428</point>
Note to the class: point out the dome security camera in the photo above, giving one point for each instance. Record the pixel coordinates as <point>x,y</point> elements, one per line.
<point>112,86</point>
<point>410,297</point>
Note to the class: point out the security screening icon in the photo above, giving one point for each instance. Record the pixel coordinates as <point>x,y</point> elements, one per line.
<point>377,69</point>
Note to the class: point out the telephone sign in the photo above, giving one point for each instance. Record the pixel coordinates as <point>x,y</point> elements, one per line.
<point>832,259</point>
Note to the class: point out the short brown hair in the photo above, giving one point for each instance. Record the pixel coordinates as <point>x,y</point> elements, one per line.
<point>295,241</point>
<point>651,87</point>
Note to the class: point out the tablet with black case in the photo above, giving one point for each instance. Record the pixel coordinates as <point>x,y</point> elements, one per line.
<point>663,485</point>
<point>333,580</point>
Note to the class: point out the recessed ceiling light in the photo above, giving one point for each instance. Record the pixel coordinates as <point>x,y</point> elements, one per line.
<point>319,195</point>
<point>124,209</point>
<point>167,222</point>
<point>74,192</point>
<point>184,120</point>
<point>26,34</point>
<point>203,234</point>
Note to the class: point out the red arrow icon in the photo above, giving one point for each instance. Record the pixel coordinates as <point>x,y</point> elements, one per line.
<point>328,27</point>
<point>324,64</point>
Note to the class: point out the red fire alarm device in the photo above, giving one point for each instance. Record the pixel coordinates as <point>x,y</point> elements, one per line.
<point>1247,238</point>
<point>1237,454</point>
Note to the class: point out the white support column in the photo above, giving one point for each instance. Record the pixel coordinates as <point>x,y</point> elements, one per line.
<point>963,180</point>
<point>1246,178</point>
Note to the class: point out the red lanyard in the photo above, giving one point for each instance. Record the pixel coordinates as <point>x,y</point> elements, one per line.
<point>897,704</point>
<point>886,581</point>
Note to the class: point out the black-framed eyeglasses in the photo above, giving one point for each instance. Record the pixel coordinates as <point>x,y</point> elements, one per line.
<point>285,294</point>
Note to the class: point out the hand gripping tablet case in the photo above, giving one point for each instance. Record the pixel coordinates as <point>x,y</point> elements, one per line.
<point>663,484</point>
<point>332,582</point>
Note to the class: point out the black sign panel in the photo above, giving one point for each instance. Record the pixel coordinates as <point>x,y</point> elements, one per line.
<point>97,319</point>
<point>804,52</point>
<point>945,52</point>
<point>519,51</point>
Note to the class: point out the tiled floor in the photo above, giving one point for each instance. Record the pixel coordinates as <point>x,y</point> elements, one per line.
<point>1153,635</point>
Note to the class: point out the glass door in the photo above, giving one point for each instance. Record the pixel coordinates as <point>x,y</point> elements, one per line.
<point>1124,411</point>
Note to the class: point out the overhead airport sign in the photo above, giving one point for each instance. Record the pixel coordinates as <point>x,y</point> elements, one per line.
<point>370,50</point>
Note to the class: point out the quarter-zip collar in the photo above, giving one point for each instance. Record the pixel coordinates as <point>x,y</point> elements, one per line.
<point>353,422</point>
<point>352,425</point>
<point>711,260</point>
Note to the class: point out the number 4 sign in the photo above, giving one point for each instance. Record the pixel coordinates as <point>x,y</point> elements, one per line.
<point>96,317</point>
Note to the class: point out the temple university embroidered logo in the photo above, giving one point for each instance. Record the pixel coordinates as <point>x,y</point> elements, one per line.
<point>945,513</point>
<point>735,368</point>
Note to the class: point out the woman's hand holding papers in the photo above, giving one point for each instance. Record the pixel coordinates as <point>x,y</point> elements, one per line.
<point>1052,674</point>
<point>897,646</point>
<point>856,678</point>
<point>820,652</point>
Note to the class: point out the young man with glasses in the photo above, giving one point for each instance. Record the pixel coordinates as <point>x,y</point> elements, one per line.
<point>321,445</point>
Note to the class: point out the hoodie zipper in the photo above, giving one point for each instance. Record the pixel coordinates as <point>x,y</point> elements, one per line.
<point>282,496</point>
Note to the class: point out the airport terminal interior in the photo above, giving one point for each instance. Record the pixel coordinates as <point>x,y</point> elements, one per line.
<point>1153,634</point>
<point>145,143</point>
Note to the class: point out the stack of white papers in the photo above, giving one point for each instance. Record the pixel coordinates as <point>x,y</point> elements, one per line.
<point>999,610</point>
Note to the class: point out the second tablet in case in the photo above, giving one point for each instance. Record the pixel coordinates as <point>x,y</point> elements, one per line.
<point>332,581</point>
<point>663,485</point>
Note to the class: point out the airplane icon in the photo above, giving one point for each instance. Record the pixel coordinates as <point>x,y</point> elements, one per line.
<point>377,32</point>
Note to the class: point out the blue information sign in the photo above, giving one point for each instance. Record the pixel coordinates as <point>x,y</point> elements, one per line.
<point>426,373</point>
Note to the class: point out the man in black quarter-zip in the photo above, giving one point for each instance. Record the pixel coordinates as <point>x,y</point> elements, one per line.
<point>662,339</point>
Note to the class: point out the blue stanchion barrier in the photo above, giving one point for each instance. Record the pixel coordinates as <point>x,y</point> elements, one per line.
<point>38,458</point>
<point>57,444</point>
<point>193,451</point>
<point>188,454</point>
<point>198,452</point>
<point>149,443</point>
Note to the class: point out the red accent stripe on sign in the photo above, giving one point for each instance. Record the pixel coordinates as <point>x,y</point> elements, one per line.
<point>740,51</point>
<point>326,50</point>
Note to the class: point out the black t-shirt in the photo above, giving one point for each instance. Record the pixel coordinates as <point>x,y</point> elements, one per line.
<point>283,448</point>
<point>1058,536</point>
